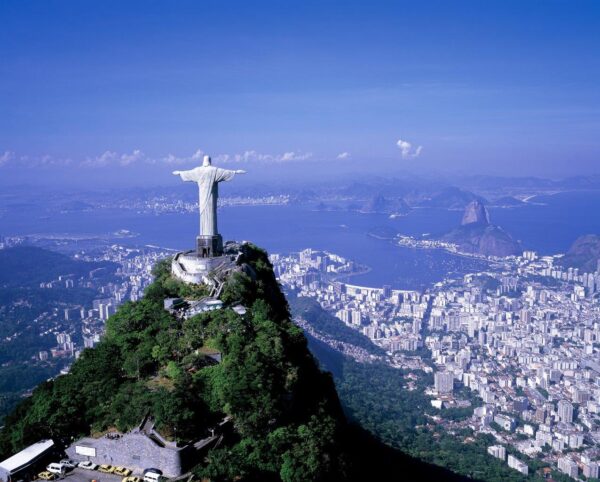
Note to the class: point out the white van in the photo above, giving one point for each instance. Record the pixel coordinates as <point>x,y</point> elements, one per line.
<point>58,469</point>
<point>152,475</point>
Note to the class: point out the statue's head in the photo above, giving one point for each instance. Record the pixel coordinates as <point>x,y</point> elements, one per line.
<point>206,161</point>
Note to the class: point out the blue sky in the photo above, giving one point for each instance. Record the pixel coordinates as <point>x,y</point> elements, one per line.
<point>132,89</point>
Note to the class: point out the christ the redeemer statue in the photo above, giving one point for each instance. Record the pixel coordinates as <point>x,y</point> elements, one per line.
<point>208,177</point>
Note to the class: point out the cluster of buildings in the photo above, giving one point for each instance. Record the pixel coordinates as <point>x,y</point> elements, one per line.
<point>392,319</point>
<point>76,326</point>
<point>526,340</point>
<point>411,242</point>
<point>10,241</point>
<point>523,339</point>
<point>585,284</point>
<point>166,204</point>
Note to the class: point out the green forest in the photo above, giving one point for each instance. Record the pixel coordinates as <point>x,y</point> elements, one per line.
<point>285,410</point>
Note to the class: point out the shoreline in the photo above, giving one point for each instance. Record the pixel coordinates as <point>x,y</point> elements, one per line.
<point>342,276</point>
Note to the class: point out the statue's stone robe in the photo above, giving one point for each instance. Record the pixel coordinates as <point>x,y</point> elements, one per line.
<point>208,179</point>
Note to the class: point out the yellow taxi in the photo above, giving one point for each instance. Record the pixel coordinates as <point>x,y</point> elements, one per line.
<point>46,475</point>
<point>106,469</point>
<point>132,478</point>
<point>123,471</point>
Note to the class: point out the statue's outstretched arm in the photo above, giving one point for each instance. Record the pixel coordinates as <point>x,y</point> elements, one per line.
<point>226,174</point>
<point>185,175</point>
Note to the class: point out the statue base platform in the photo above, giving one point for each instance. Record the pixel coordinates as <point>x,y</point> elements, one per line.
<point>189,267</point>
<point>209,246</point>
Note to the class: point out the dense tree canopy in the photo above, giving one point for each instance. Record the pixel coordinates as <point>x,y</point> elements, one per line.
<point>284,409</point>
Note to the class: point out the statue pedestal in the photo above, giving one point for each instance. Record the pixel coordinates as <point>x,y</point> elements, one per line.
<point>191,268</point>
<point>209,246</point>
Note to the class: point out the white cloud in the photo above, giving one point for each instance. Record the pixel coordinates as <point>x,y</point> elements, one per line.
<point>343,155</point>
<point>294,156</point>
<point>407,151</point>
<point>9,158</point>
<point>6,157</point>
<point>173,159</point>
<point>104,159</point>
<point>135,156</point>
<point>254,156</point>
<point>110,158</point>
<point>222,158</point>
<point>199,154</point>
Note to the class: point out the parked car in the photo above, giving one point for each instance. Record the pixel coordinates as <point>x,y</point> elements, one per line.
<point>106,469</point>
<point>125,472</point>
<point>56,468</point>
<point>69,464</point>
<point>47,476</point>
<point>131,478</point>
<point>152,475</point>
<point>88,465</point>
<point>152,469</point>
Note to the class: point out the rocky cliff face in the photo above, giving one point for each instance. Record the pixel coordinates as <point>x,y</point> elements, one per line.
<point>475,213</point>
<point>584,253</point>
<point>476,235</point>
<point>488,240</point>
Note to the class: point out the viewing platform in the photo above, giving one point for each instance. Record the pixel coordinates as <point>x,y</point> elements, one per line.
<point>189,267</point>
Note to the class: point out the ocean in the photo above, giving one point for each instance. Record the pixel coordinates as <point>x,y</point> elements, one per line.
<point>549,225</point>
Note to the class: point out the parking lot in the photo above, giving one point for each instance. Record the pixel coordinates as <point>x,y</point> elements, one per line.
<point>82,475</point>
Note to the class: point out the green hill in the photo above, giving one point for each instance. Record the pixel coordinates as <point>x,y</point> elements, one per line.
<point>286,413</point>
<point>287,419</point>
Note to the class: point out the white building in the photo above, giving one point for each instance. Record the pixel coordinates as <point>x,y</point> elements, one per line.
<point>568,466</point>
<point>497,451</point>
<point>444,382</point>
<point>565,411</point>
<point>590,470</point>
<point>515,463</point>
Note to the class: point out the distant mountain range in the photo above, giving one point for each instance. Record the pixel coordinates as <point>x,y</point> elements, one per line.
<point>382,205</point>
<point>451,198</point>
<point>502,182</point>
<point>444,192</point>
<point>508,201</point>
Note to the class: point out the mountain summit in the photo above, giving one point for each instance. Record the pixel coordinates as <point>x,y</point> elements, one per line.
<point>478,236</point>
<point>475,213</point>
